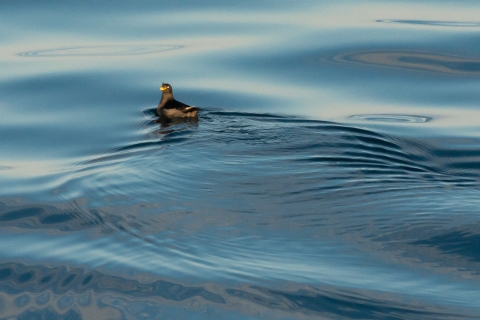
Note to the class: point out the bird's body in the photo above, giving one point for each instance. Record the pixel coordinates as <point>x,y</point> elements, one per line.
<point>171,108</point>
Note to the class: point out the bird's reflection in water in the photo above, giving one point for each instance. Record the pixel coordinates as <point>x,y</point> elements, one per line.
<point>176,124</point>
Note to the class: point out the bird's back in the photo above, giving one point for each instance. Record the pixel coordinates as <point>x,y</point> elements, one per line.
<point>176,109</point>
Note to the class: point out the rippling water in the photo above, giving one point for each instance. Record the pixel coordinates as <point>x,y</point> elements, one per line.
<point>333,172</point>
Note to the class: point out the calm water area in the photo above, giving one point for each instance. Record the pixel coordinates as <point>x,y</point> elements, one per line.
<point>333,172</point>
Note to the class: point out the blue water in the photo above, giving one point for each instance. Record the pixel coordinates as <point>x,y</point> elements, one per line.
<point>333,172</point>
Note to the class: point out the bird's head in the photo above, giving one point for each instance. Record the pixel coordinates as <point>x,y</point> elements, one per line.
<point>166,88</point>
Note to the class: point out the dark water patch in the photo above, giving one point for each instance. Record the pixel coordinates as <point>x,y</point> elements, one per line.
<point>295,120</point>
<point>434,23</point>
<point>137,146</point>
<point>247,114</point>
<point>430,240</point>
<point>21,214</point>
<point>465,161</point>
<point>358,133</point>
<point>5,273</point>
<point>465,243</point>
<point>48,216</point>
<point>68,280</point>
<point>344,304</point>
<point>49,313</point>
<point>57,218</point>
<point>457,153</point>
<point>392,160</point>
<point>357,148</point>
<point>347,307</point>
<point>25,277</point>
<point>466,165</point>
<point>95,51</point>
<point>46,279</point>
<point>410,60</point>
<point>87,279</point>
<point>374,141</point>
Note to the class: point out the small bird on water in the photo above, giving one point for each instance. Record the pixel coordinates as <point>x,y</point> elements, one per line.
<point>171,108</point>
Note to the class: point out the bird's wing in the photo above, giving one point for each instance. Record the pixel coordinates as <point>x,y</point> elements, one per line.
<point>188,108</point>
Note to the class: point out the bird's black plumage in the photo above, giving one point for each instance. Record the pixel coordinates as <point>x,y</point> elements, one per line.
<point>171,108</point>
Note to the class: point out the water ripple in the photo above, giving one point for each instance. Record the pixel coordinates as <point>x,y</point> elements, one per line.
<point>148,202</point>
<point>396,118</point>
<point>433,23</point>
<point>91,51</point>
<point>410,60</point>
<point>289,160</point>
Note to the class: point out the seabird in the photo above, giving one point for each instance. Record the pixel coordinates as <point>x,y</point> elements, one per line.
<point>171,108</point>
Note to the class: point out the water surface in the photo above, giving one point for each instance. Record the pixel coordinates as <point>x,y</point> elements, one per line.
<point>333,171</point>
